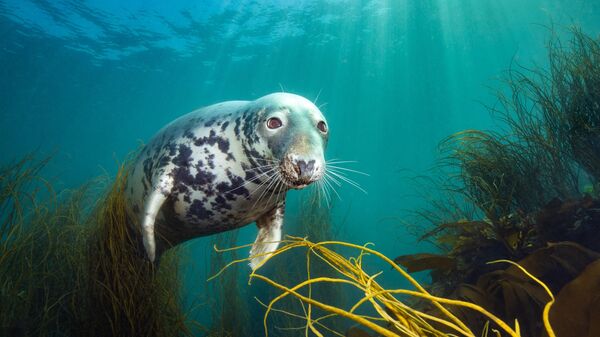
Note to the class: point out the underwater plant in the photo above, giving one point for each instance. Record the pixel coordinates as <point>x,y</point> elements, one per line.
<point>231,315</point>
<point>67,262</point>
<point>388,313</point>
<point>313,220</point>
<point>136,297</point>
<point>29,269</point>
<point>527,193</point>
<point>229,312</point>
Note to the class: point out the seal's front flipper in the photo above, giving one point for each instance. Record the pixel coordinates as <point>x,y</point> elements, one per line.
<point>153,203</point>
<point>269,235</point>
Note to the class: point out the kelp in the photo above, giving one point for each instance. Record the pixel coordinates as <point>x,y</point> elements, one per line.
<point>37,261</point>
<point>313,220</point>
<point>576,312</point>
<point>533,187</point>
<point>69,265</point>
<point>228,306</point>
<point>388,313</point>
<point>511,295</point>
<point>520,179</point>
<point>135,297</point>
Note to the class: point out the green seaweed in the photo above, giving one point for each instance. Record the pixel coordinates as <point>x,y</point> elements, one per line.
<point>69,266</point>
<point>549,153</point>
<point>525,193</point>
<point>228,307</point>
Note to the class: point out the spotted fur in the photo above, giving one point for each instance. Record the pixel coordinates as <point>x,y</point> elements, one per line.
<point>199,175</point>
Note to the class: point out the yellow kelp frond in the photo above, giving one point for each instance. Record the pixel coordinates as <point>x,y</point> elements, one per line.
<point>394,314</point>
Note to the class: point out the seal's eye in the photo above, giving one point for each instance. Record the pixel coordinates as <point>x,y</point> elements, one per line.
<point>322,126</point>
<point>274,123</point>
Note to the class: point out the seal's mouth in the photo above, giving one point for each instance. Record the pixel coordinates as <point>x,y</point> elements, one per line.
<point>292,180</point>
<point>297,185</point>
<point>298,175</point>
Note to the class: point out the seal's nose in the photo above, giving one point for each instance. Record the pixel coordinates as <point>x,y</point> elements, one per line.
<point>305,170</point>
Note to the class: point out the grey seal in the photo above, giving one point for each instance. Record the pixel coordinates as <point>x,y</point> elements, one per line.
<point>224,166</point>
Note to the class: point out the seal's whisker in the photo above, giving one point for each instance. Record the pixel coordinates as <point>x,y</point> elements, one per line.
<point>333,179</point>
<point>263,183</point>
<point>260,167</point>
<point>281,184</point>
<point>260,196</point>
<point>319,187</point>
<point>252,180</point>
<point>348,180</point>
<point>337,161</point>
<point>316,187</point>
<point>264,159</point>
<point>261,174</point>
<point>317,98</point>
<point>342,176</point>
<point>275,190</point>
<point>324,190</point>
<point>271,181</point>
<point>260,170</point>
<point>334,168</point>
<point>328,183</point>
<point>322,193</point>
<point>327,195</point>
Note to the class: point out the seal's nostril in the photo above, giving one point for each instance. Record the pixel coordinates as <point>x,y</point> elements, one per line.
<point>310,166</point>
<point>300,168</point>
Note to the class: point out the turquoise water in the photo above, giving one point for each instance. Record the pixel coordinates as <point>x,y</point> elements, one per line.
<point>90,80</point>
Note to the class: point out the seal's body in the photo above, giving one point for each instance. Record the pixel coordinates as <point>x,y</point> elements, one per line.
<point>225,166</point>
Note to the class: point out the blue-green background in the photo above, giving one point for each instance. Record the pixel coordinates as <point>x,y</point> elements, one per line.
<point>92,79</point>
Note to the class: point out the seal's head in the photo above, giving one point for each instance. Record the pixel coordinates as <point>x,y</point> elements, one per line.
<point>295,133</point>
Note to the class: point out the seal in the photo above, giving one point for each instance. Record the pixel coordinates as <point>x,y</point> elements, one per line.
<point>224,166</point>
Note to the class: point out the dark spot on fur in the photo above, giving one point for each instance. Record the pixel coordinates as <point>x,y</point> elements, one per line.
<point>164,160</point>
<point>235,182</point>
<point>184,157</point>
<point>211,161</point>
<point>223,187</point>
<point>183,179</point>
<point>172,149</point>
<point>198,211</point>
<point>236,128</point>
<point>221,204</point>
<point>188,134</point>
<point>148,169</point>
<point>212,139</point>
<point>204,178</point>
<point>223,144</point>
